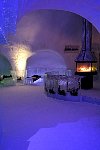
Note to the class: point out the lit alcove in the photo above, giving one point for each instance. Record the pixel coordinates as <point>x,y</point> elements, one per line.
<point>44,61</point>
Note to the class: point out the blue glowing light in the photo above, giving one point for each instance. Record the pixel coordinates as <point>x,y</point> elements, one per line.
<point>3,39</point>
<point>8,18</point>
<point>9,12</point>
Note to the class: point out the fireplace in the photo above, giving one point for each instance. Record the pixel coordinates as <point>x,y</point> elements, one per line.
<point>86,68</point>
<point>86,62</point>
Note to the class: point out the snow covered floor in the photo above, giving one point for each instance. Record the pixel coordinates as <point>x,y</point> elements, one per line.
<point>31,121</point>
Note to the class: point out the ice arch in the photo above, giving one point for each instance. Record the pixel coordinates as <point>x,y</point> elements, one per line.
<point>43,61</point>
<point>89,9</point>
<point>5,66</point>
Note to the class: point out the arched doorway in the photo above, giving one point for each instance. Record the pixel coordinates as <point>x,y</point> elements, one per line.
<point>53,29</point>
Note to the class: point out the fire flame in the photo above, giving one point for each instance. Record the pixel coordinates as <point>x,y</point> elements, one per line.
<point>86,69</point>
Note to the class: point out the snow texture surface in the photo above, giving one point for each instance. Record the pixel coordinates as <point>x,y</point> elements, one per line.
<point>29,120</point>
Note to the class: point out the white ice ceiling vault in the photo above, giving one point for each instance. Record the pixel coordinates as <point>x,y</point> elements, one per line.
<point>12,11</point>
<point>89,9</point>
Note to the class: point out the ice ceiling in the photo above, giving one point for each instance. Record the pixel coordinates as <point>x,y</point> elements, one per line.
<point>11,12</point>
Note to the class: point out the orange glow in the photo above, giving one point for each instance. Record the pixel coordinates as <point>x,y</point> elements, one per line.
<point>84,69</point>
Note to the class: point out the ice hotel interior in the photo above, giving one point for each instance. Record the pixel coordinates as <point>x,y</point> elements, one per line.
<point>49,75</point>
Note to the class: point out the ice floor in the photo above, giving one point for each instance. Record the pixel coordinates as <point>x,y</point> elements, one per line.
<point>31,121</point>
